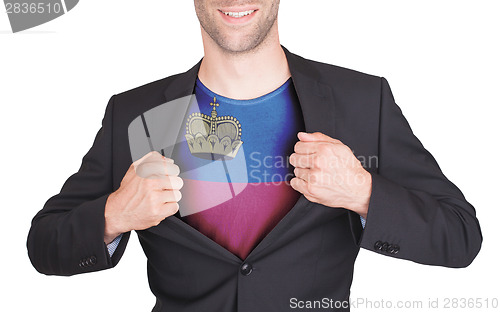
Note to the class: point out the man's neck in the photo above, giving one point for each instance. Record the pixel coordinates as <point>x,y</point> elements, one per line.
<point>244,75</point>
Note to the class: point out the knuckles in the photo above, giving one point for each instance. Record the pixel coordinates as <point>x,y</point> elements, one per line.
<point>157,169</point>
<point>311,189</point>
<point>177,195</point>
<point>325,148</point>
<point>292,159</point>
<point>173,169</point>
<point>177,182</point>
<point>172,208</point>
<point>314,176</point>
<point>317,161</point>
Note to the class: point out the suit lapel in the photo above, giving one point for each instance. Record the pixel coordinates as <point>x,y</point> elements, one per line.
<point>182,84</point>
<point>180,92</point>
<point>316,98</point>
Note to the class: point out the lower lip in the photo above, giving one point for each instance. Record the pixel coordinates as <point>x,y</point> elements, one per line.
<point>237,20</point>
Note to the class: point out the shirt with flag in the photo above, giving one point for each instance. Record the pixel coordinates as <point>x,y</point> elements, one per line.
<point>237,202</point>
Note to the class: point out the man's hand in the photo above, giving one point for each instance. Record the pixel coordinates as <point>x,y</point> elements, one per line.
<point>148,193</point>
<point>327,172</point>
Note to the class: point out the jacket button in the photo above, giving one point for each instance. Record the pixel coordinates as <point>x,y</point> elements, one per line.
<point>385,245</point>
<point>246,269</point>
<point>83,263</point>
<point>390,249</point>
<point>378,245</point>
<point>396,249</point>
<point>93,260</point>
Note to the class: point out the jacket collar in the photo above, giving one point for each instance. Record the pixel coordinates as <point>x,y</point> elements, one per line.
<point>315,96</point>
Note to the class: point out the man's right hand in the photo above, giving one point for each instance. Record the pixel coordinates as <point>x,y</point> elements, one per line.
<point>148,193</point>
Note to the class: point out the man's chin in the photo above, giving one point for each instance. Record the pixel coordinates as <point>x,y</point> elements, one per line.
<point>239,45</point>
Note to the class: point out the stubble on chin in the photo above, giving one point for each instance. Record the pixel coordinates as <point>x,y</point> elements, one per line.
<point>246,44</point>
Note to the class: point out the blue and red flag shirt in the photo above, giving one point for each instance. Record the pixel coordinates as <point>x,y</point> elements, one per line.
<point>237,202</point>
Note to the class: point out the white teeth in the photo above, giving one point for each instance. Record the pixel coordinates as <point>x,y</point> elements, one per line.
<point>239,14</point>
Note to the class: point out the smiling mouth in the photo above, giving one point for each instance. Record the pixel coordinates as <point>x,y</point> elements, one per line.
<point>239,14</point>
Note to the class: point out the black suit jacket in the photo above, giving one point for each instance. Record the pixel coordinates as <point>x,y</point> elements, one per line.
<point>415,212</point>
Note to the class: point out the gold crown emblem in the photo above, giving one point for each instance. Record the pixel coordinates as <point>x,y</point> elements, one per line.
<point>213,137</point>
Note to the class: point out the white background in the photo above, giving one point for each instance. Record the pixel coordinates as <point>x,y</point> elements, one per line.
<point>441,59</point>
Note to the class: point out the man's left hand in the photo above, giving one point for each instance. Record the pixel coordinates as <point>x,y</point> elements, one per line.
<point>327,172</point>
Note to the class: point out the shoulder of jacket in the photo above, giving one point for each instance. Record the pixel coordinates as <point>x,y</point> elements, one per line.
<point>338,74</point>
<point>151,89</point>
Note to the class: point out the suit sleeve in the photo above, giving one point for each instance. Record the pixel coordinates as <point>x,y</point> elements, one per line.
<point>67,236</point>
<point>415,212</point>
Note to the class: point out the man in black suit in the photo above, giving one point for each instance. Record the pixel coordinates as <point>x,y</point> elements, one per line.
<point>307,253</point>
